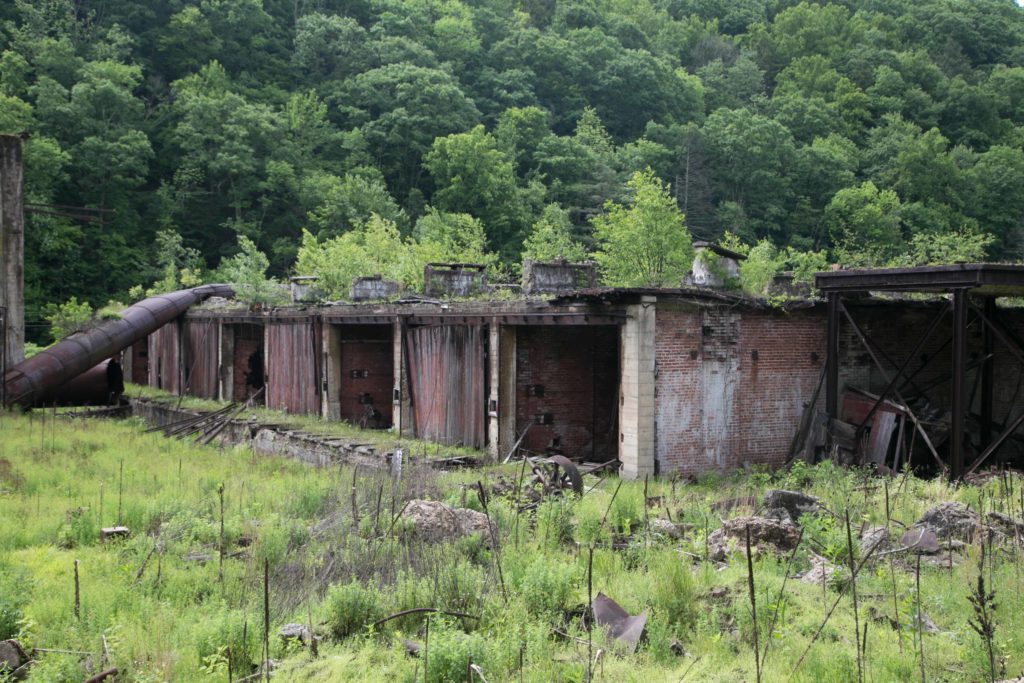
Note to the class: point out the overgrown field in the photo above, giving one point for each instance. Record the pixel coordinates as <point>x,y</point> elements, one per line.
<point>162,605</point>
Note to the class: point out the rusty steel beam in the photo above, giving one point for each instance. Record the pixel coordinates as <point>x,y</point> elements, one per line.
<point>1000,279</point>
<point>987,373</point>
<point>832,358</point>
<point>958,407</point>
<point>49,369</point>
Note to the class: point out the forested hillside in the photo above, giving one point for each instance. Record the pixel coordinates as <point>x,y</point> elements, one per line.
<point>849,127</point>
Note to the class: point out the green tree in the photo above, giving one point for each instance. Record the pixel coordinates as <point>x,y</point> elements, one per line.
<point>472,175</point>
<point>643,243</point>
<point>865,225</point>
<point>551,238</point>
<point>247,273</point>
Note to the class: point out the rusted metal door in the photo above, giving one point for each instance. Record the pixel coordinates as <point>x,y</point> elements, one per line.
<point>202,361</point>
<point>165,357</point>
<point>447,371</point>
<point>293,366</point>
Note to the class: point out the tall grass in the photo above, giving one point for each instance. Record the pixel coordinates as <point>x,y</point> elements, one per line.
<point>157,600</point>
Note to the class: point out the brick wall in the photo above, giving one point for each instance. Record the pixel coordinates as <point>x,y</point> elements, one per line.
<point>731,384</point>
<point>366,348</point>
<point>578,368</point>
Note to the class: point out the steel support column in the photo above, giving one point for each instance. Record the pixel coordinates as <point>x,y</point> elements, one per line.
<point>959,399</point>
<point>987,373</point>
<point>832,358</point>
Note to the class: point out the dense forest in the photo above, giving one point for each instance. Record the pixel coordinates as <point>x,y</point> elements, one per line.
<point>857,130</point>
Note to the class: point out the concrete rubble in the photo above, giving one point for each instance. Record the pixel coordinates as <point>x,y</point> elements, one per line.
<point>434,521</point>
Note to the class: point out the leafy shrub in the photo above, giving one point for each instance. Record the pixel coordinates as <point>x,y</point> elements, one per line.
<point>450,652</point>
<point>14,589</point>
<point>547,586</point>
<point>227,637</point>
<point>626,511</point>
<point>460,588</point>
<point>58,668</point>
<point>351,607</point>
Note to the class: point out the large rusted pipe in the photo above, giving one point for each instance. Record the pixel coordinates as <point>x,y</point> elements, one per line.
<point>32,379</point>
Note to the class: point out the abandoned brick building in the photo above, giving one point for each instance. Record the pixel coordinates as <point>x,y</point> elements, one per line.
<point>668,381</point>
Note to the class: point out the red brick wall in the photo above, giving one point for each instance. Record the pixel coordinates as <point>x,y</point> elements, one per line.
<point>578,366</point>
<point>731,384</point>
<point>366,348</point>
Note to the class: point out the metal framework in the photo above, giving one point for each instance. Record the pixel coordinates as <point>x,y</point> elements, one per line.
<point>966,285</point>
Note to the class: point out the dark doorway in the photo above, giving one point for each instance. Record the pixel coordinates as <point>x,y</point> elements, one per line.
<point>367,375</point>
<point>248,376</point>
<point>567,388</point>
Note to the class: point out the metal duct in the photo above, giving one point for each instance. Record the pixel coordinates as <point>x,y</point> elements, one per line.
<point>31,379</point>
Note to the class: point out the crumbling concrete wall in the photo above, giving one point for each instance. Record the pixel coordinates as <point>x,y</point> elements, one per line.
<point>453,280</point>
<point>732,386</point>
<point>373,288</point>
<point>560,276</point>
<point>12,249</point>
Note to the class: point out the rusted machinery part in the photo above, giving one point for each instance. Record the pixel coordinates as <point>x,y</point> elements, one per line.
<point>33,378</point>
<point>565,473</point>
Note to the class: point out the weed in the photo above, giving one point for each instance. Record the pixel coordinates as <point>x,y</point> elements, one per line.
<point>350,608</point>
<point>983,621</point>
<point>547,585</point>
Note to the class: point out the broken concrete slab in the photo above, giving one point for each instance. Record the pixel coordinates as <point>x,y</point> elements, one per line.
<point>821,572</point>
<point>298,632</point>
<point>111,533</point>
<point>795,503</point>
<point>434,521</point>
<point>950,520</point>
<point>920,540</point>
<point>665,528</point>
<point>874,539</point>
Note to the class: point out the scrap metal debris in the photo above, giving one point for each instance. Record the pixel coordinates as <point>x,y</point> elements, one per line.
<point>623,629</point>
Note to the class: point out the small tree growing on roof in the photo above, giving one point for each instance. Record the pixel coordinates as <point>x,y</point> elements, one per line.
<point>247,271</point>
<point>551,238</point>
<point>644,242</point>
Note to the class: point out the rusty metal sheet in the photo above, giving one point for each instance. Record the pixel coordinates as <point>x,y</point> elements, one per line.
<point>447,375</point>
<point>623,629</point>
<point>165,357</point>
<point>202,360</point>
<point>293,366</point>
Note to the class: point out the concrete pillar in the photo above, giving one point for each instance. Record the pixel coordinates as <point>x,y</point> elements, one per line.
<point>331,398</point>
<point>636,398</point>
<point>493,389</point>
<point>506,390</point>
<point>401,406</point>
<point>12,248</point>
